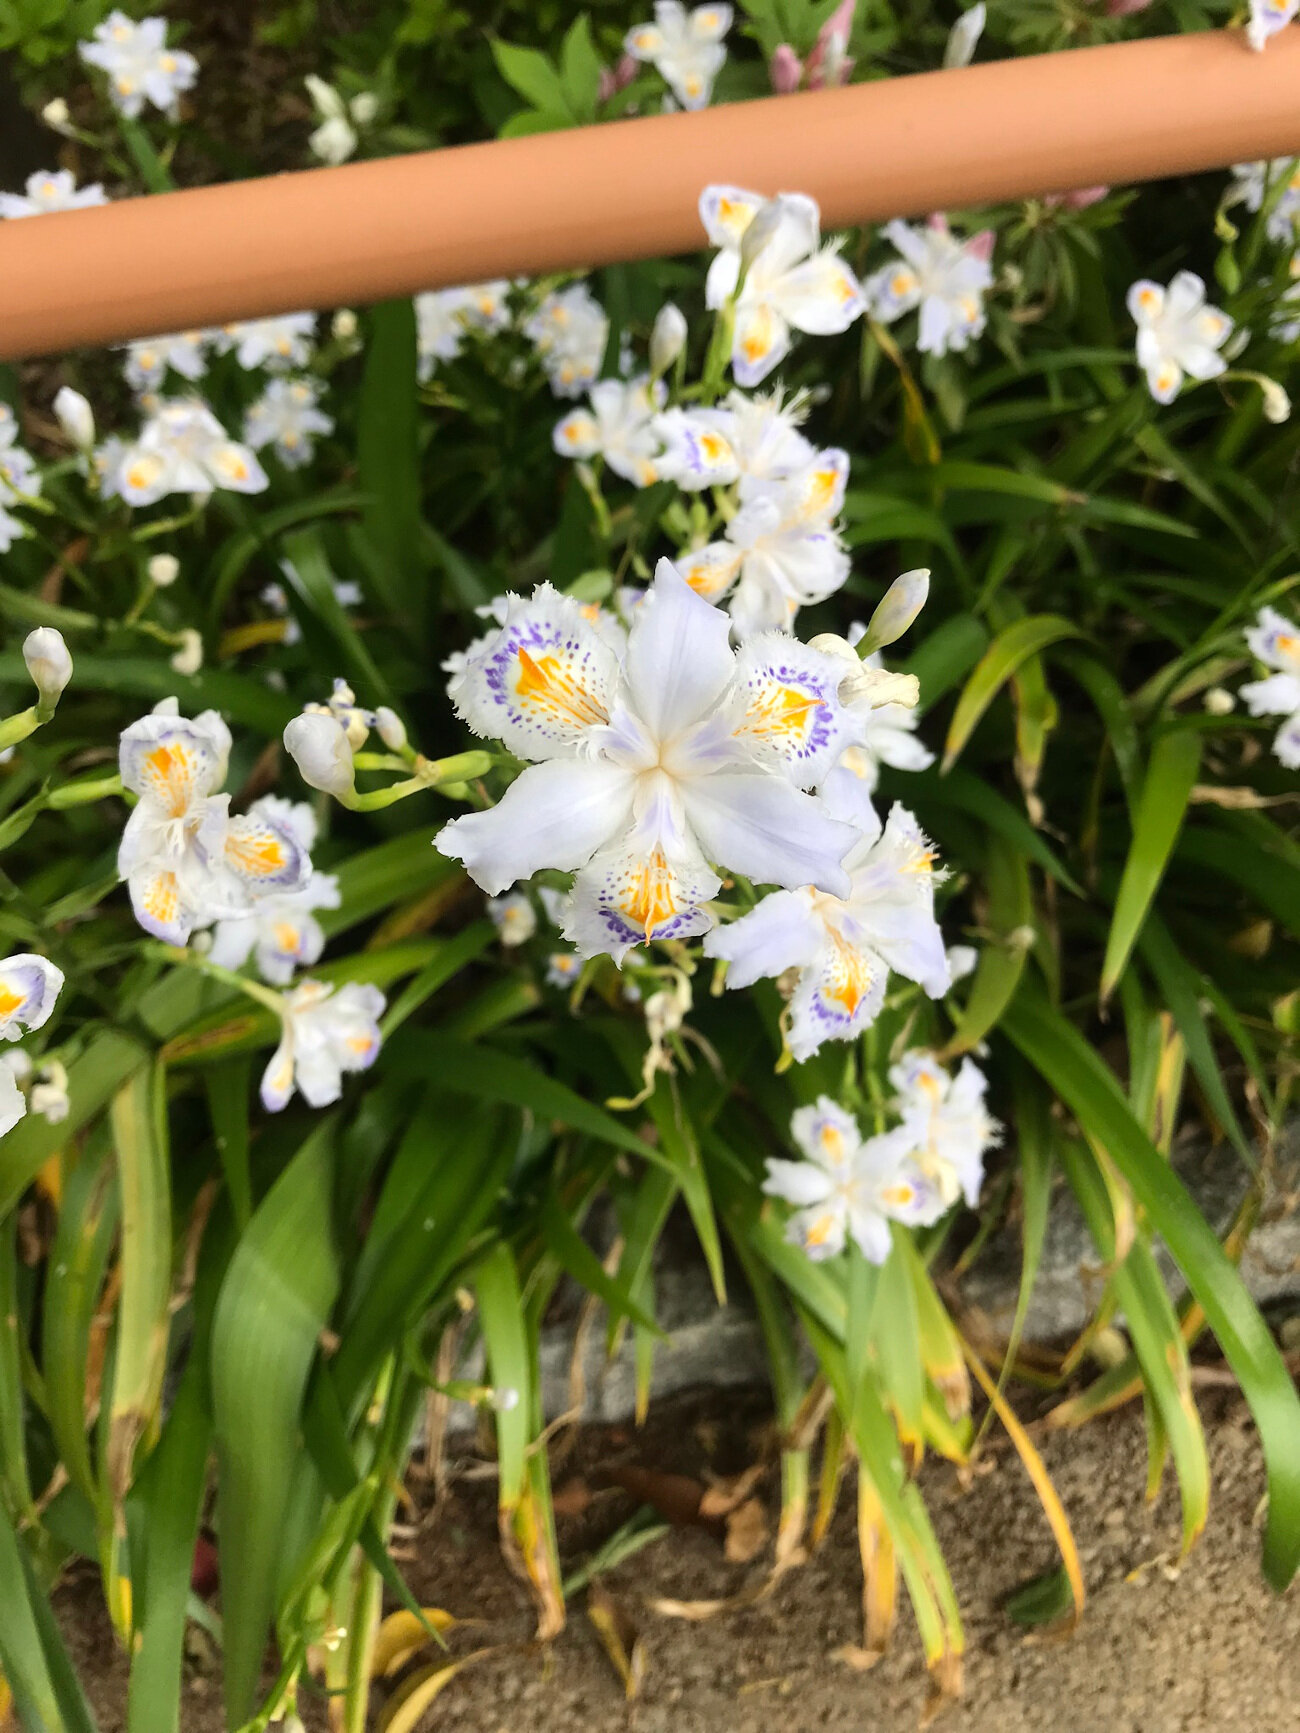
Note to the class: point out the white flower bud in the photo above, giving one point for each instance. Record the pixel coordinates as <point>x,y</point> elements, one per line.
<point>318,744</point>
<point>343,326</point>
<point>668,338</point>
<point>1277,405</point>
<point>189,658</point>
<point>163,569</point>
<point>57,115</point>
<point>75,417</point>
<point>964,37</point>
<point>1219,702</point>
<point>48,663</point>
<point>364,107</point>
<point>505,1398</point>
<point>391,728</point>
<point>902,602</point>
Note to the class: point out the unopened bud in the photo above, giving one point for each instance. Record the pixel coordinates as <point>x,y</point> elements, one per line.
<point>964,37</point>
<point>75,417</point>
<point>391,728</point>
<point>318,744</point>
<point>505,1399</point>
<point>1277,405</point>
<point>902,602</point>
<point>57,115</point>
<point>189,658</point>
<point>48,663</point>
<point>1219,702</point>
<point>343,326</point>
<point>364,107</point>
<point>163,569</point>
<point>668,338</point>
<point>785,69</point>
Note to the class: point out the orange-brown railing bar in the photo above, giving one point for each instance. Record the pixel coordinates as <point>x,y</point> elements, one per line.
<point>627,190</point>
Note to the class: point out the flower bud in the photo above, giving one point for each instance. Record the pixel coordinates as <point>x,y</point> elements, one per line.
<point>163,569</point>
<point>1219,702</point>
<point>364,107</point>
<point>75,416</point>
<point>189,658</point>
<point>391,728</point>
<point>318,744</point>
<point>902,602</point>
<point>343,326</point>
<point>785,69</point>
<point>668,338</point>
<point>57,115</point>
<point>48,663</point>
<point>1277,405</point>
<point>964,37</point>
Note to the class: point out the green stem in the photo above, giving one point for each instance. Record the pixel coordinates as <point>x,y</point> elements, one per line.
<point>179,954</point>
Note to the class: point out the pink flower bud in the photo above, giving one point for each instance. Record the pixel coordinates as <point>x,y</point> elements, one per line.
<point>828,64</point>
<point>980,246</point>
<point>1076,201</point>
<point>785,69</point>
<point>1125,8</point>
<point>611,82</point>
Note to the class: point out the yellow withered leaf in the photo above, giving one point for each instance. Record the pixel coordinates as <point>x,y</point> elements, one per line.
<point>402,1635</point>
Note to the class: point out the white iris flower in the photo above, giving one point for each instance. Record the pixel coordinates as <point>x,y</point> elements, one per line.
<point>1267,17</point>
<point>1275,640</point>
<point>781,550</point>
<point>618,427</point>
<point>281,932</point>
<point>1179,335</point>
<point>51,190</point>
<point>149,358</point>
<point>845,944</point>
<point>848,1186</point>
<point>139,65</point>
<point>287,415</point>
<point>950,1129</point>
<point>791,282</point>
<point>514,918</point>
<point>1255,180</point>
<point>280,343</point>
<point>182,448</point>
<point>754,437</point>
<point>685,48</point>
<point>651,768</point>
<point>186,861</point>
<point>945,278</point>
<point>569,330</point>
<point>326,1033</point>
<point>20,480</point>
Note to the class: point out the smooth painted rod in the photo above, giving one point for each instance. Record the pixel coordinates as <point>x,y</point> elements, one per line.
<point>333,237</point>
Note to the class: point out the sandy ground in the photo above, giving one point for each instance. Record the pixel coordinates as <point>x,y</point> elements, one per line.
<point>1165,1647</point>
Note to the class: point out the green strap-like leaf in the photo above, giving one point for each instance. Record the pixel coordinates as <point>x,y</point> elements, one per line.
<point>274,1302</point>
<point>1161,808</point>
<point>1083,1082</point>
<point>1023,638</point>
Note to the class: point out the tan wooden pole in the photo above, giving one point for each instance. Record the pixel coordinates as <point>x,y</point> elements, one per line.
<point>627,190</point>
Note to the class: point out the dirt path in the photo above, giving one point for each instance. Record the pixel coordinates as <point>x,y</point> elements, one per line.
<point>1164,1648</point>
